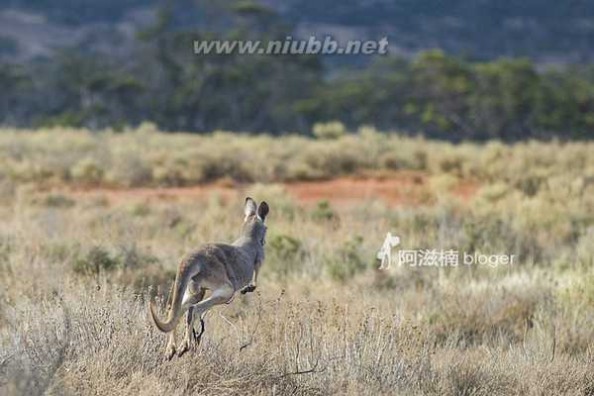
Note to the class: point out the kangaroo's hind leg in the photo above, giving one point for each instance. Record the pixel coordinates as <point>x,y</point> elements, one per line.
<point>195,295</point>
<point>171,343</point>
<point>220,295</point>
<point>170,348</point>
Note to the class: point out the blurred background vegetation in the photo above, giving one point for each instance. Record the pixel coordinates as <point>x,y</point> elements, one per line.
<point>456,70</point>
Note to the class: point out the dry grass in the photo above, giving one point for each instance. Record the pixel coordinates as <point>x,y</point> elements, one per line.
<point>77,272</point>
<point>145,157</point>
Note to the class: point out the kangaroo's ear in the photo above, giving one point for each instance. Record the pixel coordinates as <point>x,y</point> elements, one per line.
<point>263,210</point>
<point>250,207</point>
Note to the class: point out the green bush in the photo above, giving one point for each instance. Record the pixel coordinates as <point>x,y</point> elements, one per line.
<point>285,254</point>
<point>95,261</point>
<point>348,261</point>
<point>324,212</point>
<point>58,201</point>
<point>88,171</point>
<point>329,130</point>
<point>99,259</point>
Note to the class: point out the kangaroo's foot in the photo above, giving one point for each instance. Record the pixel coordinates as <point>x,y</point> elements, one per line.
<point>184,347</point>
<point>169,351</point>
<point>248,289</point>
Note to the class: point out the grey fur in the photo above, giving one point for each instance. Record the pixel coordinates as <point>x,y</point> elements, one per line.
<point>223,269</point>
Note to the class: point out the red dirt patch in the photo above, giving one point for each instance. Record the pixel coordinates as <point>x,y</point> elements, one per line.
<point>399,189</point>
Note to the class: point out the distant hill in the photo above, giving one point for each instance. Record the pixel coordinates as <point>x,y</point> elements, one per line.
<point>544,30</point>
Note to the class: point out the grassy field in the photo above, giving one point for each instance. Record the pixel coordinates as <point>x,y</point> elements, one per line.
<point>77,266</point>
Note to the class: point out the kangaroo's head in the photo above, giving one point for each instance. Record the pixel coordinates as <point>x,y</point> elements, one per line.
<point>253,223</point>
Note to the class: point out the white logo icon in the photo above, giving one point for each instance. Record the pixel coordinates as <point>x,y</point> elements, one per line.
<point>385,253</point>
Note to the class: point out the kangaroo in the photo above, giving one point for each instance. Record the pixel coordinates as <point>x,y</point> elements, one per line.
<point>222,269</point>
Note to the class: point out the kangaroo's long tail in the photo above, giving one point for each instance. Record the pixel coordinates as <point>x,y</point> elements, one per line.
<point>179,287</point>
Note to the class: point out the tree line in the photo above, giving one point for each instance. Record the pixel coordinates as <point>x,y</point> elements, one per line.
<point>162,81</point>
